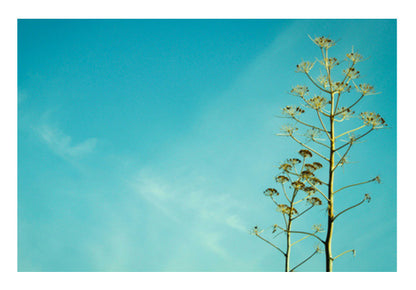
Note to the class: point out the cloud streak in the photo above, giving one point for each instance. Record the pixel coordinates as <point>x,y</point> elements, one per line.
<point>62,144</point>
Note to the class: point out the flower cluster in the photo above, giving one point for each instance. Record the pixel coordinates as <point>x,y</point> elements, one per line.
<point>313,133</point>
<point>300,91</point>
<point>309,190</point>
<point>289,129</point>
<point>318,165</point>
<point>340,87</point>
<point>317,102</point>
<point>305,153</point>
<point>294,161</point>
<point>329,62</point>
<point>298,184</point>
<point>314,200</point>
<point>365,89</point>
<point>256,231</point>
<point>317,228</point>
<point>283,208</point>
<point>305,66</point>
<point>293,111</point>
<point>270,192</point>
<point>354,56</point>
<point>281,179</point>
<point>373,119</point>
<point>346,113</point>
<point>367,197</point>
<point>306,174</point>
<point>286,167</point>
<point>323,42</point>
<point>315,181</point>
<point>323,80</point>
<point>351,73</point>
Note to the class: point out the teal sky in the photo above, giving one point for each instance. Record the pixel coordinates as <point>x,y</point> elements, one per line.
<point>145,145</point>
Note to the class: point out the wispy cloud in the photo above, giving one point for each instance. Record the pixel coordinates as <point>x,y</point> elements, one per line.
<point>61,143</point>
<point>205,216</point>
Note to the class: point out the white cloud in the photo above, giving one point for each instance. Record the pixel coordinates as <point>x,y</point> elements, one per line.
<point>61,144</point>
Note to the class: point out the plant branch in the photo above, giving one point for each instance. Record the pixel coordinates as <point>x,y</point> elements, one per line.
<point>313,254</point>
<point>352,250</point>
<point>284,191</point>
<point>355,184</point>
<point>351,207</point>
<point>317,153</point>
<point>301,232</point>
<point>355,139</point>
<point>323,126</point>
<point>342,111</point>
<point>320,143</point>
<point>302,212</point>
<point>273,245</point>
<point>318,86</point>
<point>350,131</point>
<point>343,156</point>
<point>317,189</point>
<point>301,239</point>
<point>306,124</point>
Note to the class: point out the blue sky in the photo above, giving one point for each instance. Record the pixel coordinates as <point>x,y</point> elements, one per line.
<point>145,145</point>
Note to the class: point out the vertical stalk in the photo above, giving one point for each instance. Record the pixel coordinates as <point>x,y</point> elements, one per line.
<point>289,228</point>
<point>287,263</point>
<point>330,228</point>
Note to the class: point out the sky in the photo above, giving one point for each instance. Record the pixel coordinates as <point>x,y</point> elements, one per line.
<point>146,145</point>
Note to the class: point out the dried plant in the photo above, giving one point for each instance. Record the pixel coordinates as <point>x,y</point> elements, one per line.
<point>298,187</point>
<point>321,137</point>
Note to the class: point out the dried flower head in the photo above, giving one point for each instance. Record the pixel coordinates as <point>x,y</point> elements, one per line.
<point>314,200</point>
<point>315,181</point>
<point>373,119</point>
<point>286,167</point>
<point>309,190</point>
<point>318,249</point>
<point>351,73</point>
<point>377,179</point>
<point>318,228</point>
<point>286,209</point>
<point>310,167</point>
<point>281,179</point>
<point>305,153</point>
<point>346,113</point>
<point>292,111</point>
<point>317,102</point>
<point>329,62</point>
<point>270,192</point>
<point>318,165</point>
<point>306,174</point>
<point>323,42</point>
<point>256,230</point>
<point>298,184</point>
<point>339,87</point>
<point>323,80</point>
<point>294,161</point>
<point>313,134</point>
<point>365,89</point>
<point>354,56</point>
<point>367,197</point>
<point>305,66</point>
<point>289,129</point>
<point>300,91</point>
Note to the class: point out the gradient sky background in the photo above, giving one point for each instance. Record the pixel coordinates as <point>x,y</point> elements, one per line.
<point>145,145</point>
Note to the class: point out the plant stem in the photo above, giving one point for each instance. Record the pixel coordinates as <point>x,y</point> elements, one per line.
<point>330,228</point>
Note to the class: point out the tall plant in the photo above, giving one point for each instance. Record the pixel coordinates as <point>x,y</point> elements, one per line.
<point>296,199</point>
<point>327,136</point>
